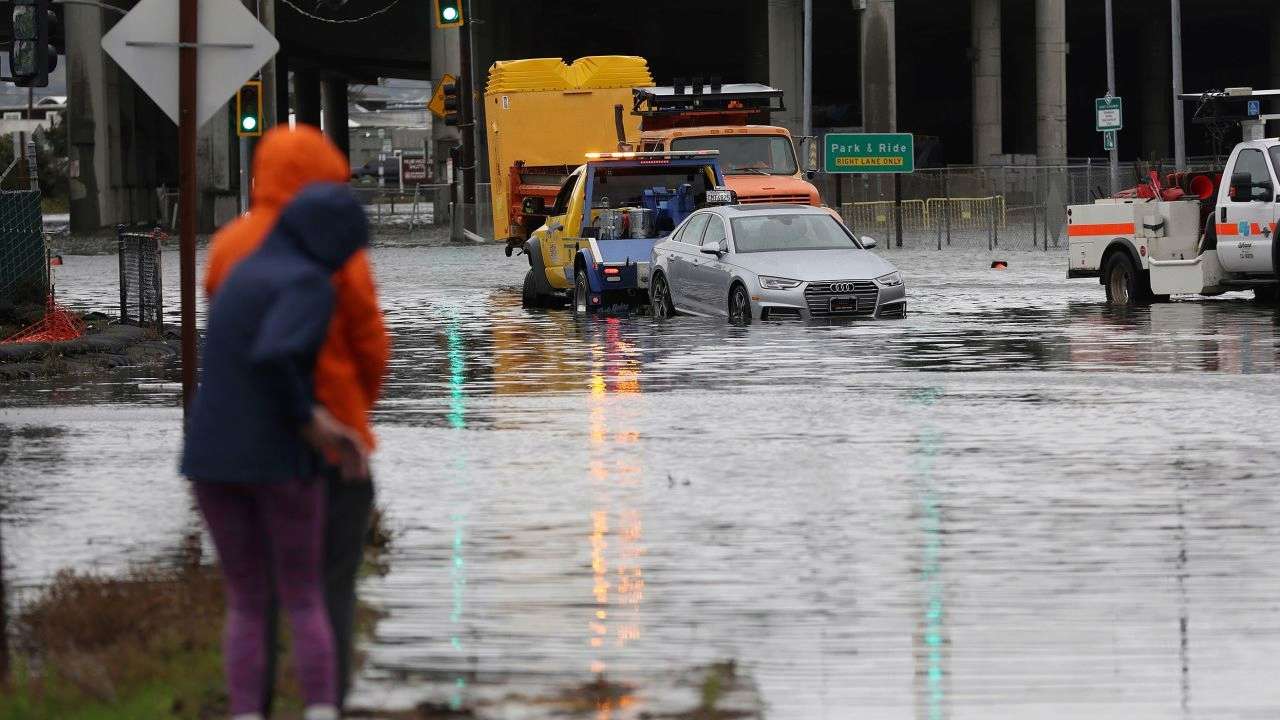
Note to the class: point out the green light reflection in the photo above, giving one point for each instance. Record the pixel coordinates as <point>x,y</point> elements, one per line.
<point>457,418</point>
<point>933,631</point>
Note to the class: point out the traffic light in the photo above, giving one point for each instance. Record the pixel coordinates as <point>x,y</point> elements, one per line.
<point>451,102</point>
<point>249,109</point>
<point>449,13</point>
<point>31,57</point>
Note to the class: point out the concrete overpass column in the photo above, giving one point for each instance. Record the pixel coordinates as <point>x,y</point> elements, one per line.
<point>786,59</point>
<point>93,205</point>
<point>988,122</point>
<point>335,114</point>
<point>879,67</point>
<point>1051,81</point>
<point>1275,67</point>
<point>1157,86</point>
<point>219,201</point>
<point>306,96</point>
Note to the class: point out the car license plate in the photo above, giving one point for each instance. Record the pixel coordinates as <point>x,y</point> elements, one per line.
<point>847,303</point>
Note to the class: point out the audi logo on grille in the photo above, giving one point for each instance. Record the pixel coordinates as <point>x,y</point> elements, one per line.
<point>842,287</point>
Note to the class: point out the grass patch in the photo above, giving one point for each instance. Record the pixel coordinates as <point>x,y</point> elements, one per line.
<point>98,648</point>
<point>146,645</point>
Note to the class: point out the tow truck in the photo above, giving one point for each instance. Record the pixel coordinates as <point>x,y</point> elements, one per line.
<point>599,234</point>
<point>1196,233</point>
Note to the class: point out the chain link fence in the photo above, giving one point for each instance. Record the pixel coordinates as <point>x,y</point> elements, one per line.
<point>476,219</point>
<point>141,278</point>
<point>409,209</point>
<point>1016,207</point>
<point>24,269</point>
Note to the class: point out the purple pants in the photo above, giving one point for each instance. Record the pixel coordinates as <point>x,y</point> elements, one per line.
<point>287,518</point>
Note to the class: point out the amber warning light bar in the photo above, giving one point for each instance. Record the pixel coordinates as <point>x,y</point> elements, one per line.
<point>634,155</point>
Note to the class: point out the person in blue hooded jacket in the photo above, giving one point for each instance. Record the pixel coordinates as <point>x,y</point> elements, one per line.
<point>256,435</point>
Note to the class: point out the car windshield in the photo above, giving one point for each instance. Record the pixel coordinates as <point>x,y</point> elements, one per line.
<point>767,233</point>
<point>746,154</point>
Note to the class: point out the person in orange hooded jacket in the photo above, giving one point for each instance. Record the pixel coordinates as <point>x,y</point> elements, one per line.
<point>351,364</point>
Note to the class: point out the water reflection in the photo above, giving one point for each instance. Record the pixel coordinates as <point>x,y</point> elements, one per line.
<point>457,561</point>
<point>616,474</point>
<point>931,640</point>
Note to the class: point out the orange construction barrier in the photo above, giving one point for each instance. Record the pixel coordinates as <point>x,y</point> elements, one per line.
<point>57,325</point>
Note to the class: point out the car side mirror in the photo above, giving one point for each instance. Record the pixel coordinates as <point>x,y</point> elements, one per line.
<point>716,248</point>
<point>811,174</point>
<point>533,206</point>
<point>868,243</point>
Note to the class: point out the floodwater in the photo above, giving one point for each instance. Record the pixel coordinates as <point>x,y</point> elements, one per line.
<point>1013,503</point>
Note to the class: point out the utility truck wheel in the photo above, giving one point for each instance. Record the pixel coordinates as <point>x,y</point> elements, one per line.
<point>581,293</point>
<point>529,292</point>
<point>1124,282</point>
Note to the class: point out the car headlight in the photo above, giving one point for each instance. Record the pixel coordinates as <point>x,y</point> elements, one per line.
<point>893,279</point>
<point>777,283</point>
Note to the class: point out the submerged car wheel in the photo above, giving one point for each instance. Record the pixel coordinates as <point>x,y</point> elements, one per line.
<point>660,298</point>
<point>581,292</point>
<point>739,306</point>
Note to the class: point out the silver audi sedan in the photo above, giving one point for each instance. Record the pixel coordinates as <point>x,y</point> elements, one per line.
<point>771,262</point>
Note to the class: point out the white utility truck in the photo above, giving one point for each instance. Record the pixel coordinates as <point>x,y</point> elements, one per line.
<point>1150,243</point>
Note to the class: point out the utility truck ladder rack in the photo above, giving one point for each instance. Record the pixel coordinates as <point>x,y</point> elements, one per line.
<point>704,104</point>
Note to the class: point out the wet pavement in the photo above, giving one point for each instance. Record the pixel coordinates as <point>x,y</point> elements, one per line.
<point>1013,503</point>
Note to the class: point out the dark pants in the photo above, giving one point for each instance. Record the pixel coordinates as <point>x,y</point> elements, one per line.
<point>349,508</point>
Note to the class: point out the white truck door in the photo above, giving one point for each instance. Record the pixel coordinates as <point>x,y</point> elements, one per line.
<point>1247,213</point>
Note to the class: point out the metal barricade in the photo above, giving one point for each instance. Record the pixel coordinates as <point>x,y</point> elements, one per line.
<point>23,265</point>
<point>141,277</point>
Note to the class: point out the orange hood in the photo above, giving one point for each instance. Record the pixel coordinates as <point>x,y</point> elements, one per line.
<point>773,188</point>
<point>289,159</point>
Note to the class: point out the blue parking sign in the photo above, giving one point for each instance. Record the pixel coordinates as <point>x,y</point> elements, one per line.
<point>1255,108</point>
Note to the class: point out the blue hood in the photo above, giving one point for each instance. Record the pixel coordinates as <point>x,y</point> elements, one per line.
<point>325,222</point>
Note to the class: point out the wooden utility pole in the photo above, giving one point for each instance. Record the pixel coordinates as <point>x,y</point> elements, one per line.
<point>188,36</point>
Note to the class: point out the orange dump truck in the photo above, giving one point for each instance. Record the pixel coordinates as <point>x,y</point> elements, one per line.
<point>758,160</point>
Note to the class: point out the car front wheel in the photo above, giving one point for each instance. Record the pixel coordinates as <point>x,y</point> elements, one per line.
<point>739,306</point>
